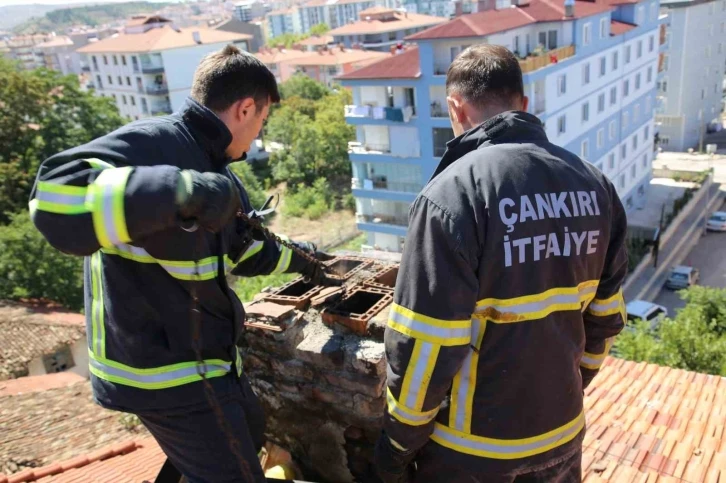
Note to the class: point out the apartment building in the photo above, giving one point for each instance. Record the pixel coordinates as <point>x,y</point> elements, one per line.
<point>589,71</point>
<point>248,10</point>
<point>148,70</point>
<point>690,86</point>
<point>438,8</point>
<point>283,21</point>
<point>21,48</point>
<point>299,19</point>
<point>379,28</point>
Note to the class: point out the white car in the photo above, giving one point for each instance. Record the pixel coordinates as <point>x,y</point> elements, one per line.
<point>641,310</point>
<point>717,221</point>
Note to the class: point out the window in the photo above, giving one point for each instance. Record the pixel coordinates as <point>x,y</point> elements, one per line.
<point>601,103</point>
<point>625,120</point>
<point>611,161</point>
<point>646,134</point>
<point>623,152</point>
<point>653,11</point>
<point>603,28</point>
<point>627,54</point>
<point>100,84</point>
<point>640,15</point>
<point>455,52</point>
<point>613,95</point>
<point>115,60</point>
<point>586,112</point>
<point>645,160</point>
<point>61,361</point>
<point>611,130</point>
<point>603,65</point>
<point>615,60</point>
<point>639,49</point>
<point>636,112</point>
<point>635,142</point>
<point>586,34</point>
<point>123,59</point>
<point>584,148</point>
<point>120,81</point>
<point>633,170</point>
<point>552,39</point>
<point>105,60</point>
<point>561,85</point>
<point>128,80</point>
<point>626,88</point>
<point>114,97</point>
<point>600,138</point>
<point>622,181</point>
<point>703,93</point>
<point>561,125</point>
<point>542,39</point>
<point>649,75</point>
<point>110,81</point>
<point>663,85</point>
<point>133,100</point>
<point>123,99</point>
<point>651,43</point>
<point>586,73</point>
<point>637,81</point>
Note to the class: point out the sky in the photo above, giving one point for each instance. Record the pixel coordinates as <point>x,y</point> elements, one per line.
<point>61,3</point>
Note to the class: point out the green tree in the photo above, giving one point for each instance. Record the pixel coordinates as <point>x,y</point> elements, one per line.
<point>31,268</point>
<point>300,85</point>
<point>252,185</point>
<point>319,29</point>
<point>286,40</point>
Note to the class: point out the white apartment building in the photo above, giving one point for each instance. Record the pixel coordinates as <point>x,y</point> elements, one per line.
<point>148,70</point>
<point>690,87</point>
<point>589,70</point>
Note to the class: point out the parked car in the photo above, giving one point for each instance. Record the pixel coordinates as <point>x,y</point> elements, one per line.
<point>682,277</point>
<point>642,310</point>
<point>717,221</point>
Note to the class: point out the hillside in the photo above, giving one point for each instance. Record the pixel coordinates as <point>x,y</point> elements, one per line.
<point>12,15</point>
<point>59,19</point>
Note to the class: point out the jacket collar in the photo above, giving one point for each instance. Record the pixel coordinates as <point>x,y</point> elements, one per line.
<point>208,130</point>
<point>507,127</point>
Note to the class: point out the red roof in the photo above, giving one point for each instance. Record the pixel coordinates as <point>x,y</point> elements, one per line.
<point>401,66</point>
<point>493,21</point>
<point>28,384</point>
<point>619,28</point>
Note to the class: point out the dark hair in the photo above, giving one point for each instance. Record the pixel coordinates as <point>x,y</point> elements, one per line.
<point>485,75</point>
<point>229,75</point>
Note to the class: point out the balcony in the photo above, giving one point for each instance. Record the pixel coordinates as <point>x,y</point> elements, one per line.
<point>155,90</point>
<point>85,68</point>
<point>368,148</point>
<point>160,109</point>
<point>536,62</point>
<point>382,219</point>
<point>381,183</point>
<point>394,114</point>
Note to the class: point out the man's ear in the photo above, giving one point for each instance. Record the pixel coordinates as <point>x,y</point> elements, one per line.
<point>525,103</point>
<point>245,108</point>
<point>456,109</point>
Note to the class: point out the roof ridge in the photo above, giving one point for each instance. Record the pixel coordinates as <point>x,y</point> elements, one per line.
<point>111,451</point>
<point>526,14</point>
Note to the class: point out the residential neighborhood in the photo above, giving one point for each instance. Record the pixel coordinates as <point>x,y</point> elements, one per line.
<point>303,270</point>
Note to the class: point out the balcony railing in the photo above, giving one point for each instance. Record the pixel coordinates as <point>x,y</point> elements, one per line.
<point>396,114</point>
<point>159,109</point>
<point>381,218</point>
<point>148,68</point>
<point>157,89</point>
<point>553,56</point>
<point>368,148</point>
<point>663,36</point>
<point>384,184</point>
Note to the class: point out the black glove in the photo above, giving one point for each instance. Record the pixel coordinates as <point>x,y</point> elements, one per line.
<point>312,249</point>
<point>392,464</point>
<point>315,272</point>
<point>209,199</point>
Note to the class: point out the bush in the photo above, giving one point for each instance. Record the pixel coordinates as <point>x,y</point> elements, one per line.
<point>309,201</point>
<point>348,202</point>
<point>31,268</point>
<point>251,183</point>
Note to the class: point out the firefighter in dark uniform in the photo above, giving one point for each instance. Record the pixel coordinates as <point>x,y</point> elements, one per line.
<point>508,297</point>
<point>129,202</point>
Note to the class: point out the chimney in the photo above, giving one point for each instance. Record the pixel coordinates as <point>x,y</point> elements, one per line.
<point>197,38</point>
<point>569,8</point>
<point>393,50</point>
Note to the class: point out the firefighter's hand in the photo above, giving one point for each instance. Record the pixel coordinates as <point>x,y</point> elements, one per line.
<point>316,273</point>
<point>209,200</point>
<point>312,249</point>
<point>392,464</point>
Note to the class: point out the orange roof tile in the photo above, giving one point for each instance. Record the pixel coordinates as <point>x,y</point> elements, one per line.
<point>25,385</point>
<point>161,38</point>
<point>401,66</point>
<point>59,41</point>
<point>400,21</point>
<point>619,28</point>
<point>338,57</point>
<point>317,40</point>
<point>274,56</point>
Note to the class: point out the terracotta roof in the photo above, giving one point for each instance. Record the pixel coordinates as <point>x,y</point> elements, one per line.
<point>337,57</point>
<point>282,11</point>
<point>28,384</point>
<point>160,38</point>
<point>375,10</point>
<point>25,335</point>
<point>645,420</point>
<point>401,66</point>
<point>144,19</point>
<point>274,56</point>
<point>314,3</point>
<point>375,25</point>
<point>56,42</point>
<point>317,40</point>
<point>60,423</point>
<point>493,21</point>
<point>619,28</point>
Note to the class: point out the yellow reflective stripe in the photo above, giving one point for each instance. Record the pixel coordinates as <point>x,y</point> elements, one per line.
<point>283,263</point>
<point>97,309</point>
<point>59,198</point>
<point>507,449</point>
<point>609,306</point>
<point>462,393</point>
<point>98,164</point>
<point>418,374</point>
<point>106,200</point>
<point>180,269</point>
<point>408,415</point>
<point>537,306</point>
<point>62,189</point>
<point>253,250</point>
<point>429,329</point>
<point>594,361</point>
<point>157,377</point>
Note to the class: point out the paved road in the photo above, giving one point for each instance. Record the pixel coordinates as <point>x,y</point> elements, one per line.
<point>709,256</point>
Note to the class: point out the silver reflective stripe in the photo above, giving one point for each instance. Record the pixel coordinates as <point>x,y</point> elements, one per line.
<point>615,304</point>
<point>164,377</point>
<point>509,447</point>
<point>465,374</point>
<point>106,192</point>
<point>534,306</point>
<point>252,250</point>
<point>63,199</point>
<point>416,419</point>
<point>201,269</point>
<point>184,270</point>
<point>591,361</point>
<point>417,381</point>
<point>433,331</point>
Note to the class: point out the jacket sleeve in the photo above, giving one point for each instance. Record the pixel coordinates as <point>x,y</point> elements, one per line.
<point>605,315</point>
<point>81,203</point>
<point>429,328</point>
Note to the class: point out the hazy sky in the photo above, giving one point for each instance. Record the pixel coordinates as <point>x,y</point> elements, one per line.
<point>58,2</point>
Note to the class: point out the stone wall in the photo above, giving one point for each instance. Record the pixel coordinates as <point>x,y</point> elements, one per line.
<point>322,387</point>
